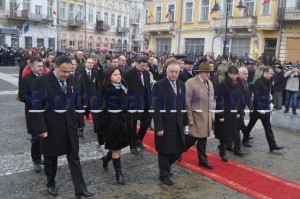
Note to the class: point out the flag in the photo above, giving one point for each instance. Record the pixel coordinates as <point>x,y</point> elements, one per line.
<point>265,2</point>
<point>17,6</point>
<point>168,12</point>
<point>246,10</point>
<point>26,28</point>
<point>150,16</point>
<point>54,12</point>
<point>76,16</point>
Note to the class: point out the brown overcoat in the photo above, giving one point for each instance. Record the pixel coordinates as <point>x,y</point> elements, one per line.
<point>199,102</point>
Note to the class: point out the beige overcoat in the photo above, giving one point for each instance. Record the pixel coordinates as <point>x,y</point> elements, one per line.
<point>199,102</point>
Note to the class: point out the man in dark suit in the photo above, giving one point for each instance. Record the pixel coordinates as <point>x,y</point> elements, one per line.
<point>139,94</point>
<point>56,122</point>
<point>153,67</point>
<point>25,95</point>
<point>170,119</point>
<point>49,63</point>
<point>188,71</point>
<point>261,106</point>
<point>92,84</point>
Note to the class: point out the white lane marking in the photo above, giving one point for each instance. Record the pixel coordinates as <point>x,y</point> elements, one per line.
<point>8,92</point>
<point>9,78</point>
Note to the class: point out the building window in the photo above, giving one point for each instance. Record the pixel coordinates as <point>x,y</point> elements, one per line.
<point>51,43</point>
<point>231,8</point>
<point>26,5</point>
<point>81,13</point>
<point>98,15</point>
<point>90,45</point>
<point>204,13</point>
<point>158,14</point>
<point>49,8</point>
<point>125,22</point>
<point>188,12</point>
<point>62,12</point>
<point>119,21</point>
<point>163,46</point>
<point>91,15</point>
<point>266,9</point>
<point>240,46</point>
<point>270,46</point>
<point>147,16</point>
<point>80,45</point>
<point>97,45</point>
<point>171,11</point>
<point>105,18</point>
<point>71,44</point>
<point>249,10</point>
<point>38,10</point>
<point>298,4</point>
<point>28,42</point>
<point>63,44</point>
<point>40,42</point>
<point>113,20</point>
<point>71,11</point>
<point>15,41</point>
<point>2,4</point>
<point>194,46</point>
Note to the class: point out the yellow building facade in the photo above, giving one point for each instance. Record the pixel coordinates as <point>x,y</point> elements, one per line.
<point>189,26</point>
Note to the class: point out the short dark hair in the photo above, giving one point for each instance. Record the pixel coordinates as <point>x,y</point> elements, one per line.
<point>35,59</point>
<point>267,69</point>
<point>142,60</point>
<point>62,60</point>
<point>115,57</point>
<point>50,53</point>
<point>232,70</point>
<point>132,61</point>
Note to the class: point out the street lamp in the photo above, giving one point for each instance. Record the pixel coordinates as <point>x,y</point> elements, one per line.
<point>216,8</point>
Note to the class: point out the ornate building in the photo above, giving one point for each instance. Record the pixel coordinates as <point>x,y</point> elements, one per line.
<point>66,24</point>
<point>189,26</point>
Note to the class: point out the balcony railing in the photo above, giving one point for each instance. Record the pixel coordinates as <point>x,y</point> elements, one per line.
<point>235,22</point>
<point>289,14</point>
<point>137,38</point>
<point>75,23</point>
<point>123,30</point>
<point>101,26</point>
<point>159,27</point>
<point>25,15</point>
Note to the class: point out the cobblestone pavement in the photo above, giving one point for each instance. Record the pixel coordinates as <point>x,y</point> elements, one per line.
<point>18,180</point>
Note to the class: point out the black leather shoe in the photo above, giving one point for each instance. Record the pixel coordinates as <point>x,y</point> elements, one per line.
<point>294,113</point>
<point>239,153</point>
<point>134,151</point>
<point>37,167</point>
<point>206,165</point>
<point>246,143</point>
<point>276,148</point>
<point>286,111</point>
<point>85,194</point>
<point>52,191</point>
<point>166,181</point>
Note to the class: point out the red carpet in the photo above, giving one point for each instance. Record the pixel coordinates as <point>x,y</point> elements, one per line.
<point>243,178</point>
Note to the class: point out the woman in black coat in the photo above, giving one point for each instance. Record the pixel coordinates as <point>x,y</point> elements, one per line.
<point>114,121</point>
<point>228,110</point>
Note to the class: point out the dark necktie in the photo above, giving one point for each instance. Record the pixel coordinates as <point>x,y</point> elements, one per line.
<point>206,84</point>
<point>89,74</point>
<point>63,86</point>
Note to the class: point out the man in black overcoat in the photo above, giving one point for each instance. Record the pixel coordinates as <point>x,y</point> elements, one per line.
<point>54,105</point>
<point>170,119</point>
<point>25,95</point>
<point>139,96</point>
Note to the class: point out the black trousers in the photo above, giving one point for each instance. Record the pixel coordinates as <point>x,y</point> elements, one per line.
<point>36,155</point>
<point>145,120</point>
<point>164,163</point>
<point>265,119</point>
<point>50,167</point>
<point>200,146</point>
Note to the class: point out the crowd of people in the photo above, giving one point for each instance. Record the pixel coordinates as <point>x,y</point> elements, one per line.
<point>185,96</point>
